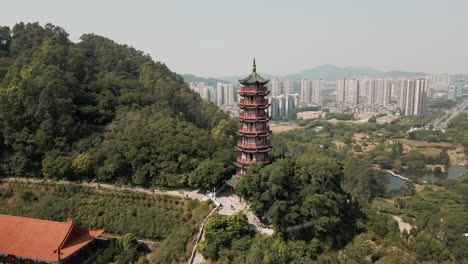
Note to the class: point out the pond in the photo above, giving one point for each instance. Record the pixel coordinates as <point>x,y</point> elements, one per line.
<point>392,182</point>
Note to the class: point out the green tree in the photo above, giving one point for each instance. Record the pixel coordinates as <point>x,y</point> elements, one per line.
<point>444,158</point>
<point>305,189</point>
<point>57,167</point>
<point>427,248</point>
<point>129,241</point>
<point>208,174</point>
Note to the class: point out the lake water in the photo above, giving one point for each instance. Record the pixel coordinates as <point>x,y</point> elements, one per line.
<point>392,182</point>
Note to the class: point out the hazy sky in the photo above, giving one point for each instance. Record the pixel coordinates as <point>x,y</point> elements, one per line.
<point>215,38</point>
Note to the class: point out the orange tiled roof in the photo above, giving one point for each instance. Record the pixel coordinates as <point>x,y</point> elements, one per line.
<point>42,239</point>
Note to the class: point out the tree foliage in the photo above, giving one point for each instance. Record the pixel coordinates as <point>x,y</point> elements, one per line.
<point>304,189</point>
<point>107,109</point>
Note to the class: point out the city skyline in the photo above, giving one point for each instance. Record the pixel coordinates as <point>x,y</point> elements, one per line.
<point>208,38</point>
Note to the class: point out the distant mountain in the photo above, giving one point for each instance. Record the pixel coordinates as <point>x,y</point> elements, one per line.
<point>332,72</point>
<point>209,81</point>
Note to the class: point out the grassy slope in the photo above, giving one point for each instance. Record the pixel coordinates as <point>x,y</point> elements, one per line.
<point>153,217</point>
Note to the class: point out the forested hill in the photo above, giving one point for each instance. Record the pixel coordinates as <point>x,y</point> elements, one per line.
<point>209,81</point>
<point>101,110</point>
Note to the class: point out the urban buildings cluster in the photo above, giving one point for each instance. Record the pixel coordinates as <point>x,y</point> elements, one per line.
<point>221,94</point>
<point>455,89</point>
<point>409,95</point>
<point>450,84</point>
<point>224,95</point>
<point>402,96</point>
<point>282,99</point>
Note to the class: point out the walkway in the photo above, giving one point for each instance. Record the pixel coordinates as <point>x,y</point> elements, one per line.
<point>192,193</point>
<point>399,176</point>
<point>402,224</point>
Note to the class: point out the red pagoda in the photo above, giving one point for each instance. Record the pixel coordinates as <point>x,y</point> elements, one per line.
<point>253,145</point>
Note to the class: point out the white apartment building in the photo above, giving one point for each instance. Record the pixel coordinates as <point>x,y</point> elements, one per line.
<point>347,90</point>
<point>311,92</point>
<point>222,94</point>
<point>415,96</point>
<point>379,91</point>
<point>282,86</point>
<point>282,104</point>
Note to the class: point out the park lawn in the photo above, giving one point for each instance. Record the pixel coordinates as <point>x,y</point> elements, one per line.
<point>284,128</point>
<point>417,143</point>
<point>428,151</point>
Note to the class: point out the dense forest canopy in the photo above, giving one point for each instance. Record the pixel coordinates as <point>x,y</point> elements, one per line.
<point>306,189</point>
<point>100,110</point>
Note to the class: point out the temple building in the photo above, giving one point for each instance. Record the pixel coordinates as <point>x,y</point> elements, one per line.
<point>253,144</point>
<point>36,241</point>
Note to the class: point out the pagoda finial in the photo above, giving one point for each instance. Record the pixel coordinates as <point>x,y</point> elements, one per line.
<point>254,68</point>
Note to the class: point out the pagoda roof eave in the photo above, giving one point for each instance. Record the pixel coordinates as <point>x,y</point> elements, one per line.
<point>263,134</point>
<point>253,150</point>
<point>240,165</point>
<point>254,78</point>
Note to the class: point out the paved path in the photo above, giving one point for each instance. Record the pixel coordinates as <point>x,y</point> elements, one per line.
<point>399,176</point>
<point>402,224</point>
<point>192,193</point>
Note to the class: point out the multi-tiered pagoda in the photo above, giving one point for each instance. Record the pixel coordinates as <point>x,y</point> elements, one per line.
<point>253,145</point>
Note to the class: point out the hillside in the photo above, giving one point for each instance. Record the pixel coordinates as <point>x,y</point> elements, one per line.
<point>101,110</point>
<point>171,222</point>
<point>209,81</point>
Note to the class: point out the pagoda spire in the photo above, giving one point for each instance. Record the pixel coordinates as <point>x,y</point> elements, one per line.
<point>254,68</point>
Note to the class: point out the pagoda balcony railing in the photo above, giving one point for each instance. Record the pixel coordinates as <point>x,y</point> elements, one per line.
<point>253,145</point>
<point>245,102</point>
<point>261,89</point>
<point>254,130</point>
<point>253,116</point>
<point>250,161</point>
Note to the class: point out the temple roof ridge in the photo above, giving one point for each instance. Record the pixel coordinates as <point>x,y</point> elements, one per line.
<point>254,77</point>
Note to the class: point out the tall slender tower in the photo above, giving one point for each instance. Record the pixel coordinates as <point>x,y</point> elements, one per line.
<point>253,145</point>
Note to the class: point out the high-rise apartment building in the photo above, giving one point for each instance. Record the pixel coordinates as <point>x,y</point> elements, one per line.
<point>414,96</point>
<point>282,104</point>
<point>460,84</point>
<point>340,89</point>
<point>311,92</point>
<point>347,90</point>
<point>282,86</point>
<point>452,92</point>
<point>379,91</point>
<point>226,93</point>
<point>204,90</point>
<point>222,94</point>
<point>455,89</point>
<point>276,87</point>
<point>401,84</point>
<point>352,90</point>
<point>288,86</point>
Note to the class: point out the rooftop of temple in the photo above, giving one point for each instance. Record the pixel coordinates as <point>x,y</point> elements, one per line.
<point>41,239</point>
<point>254,77</point>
